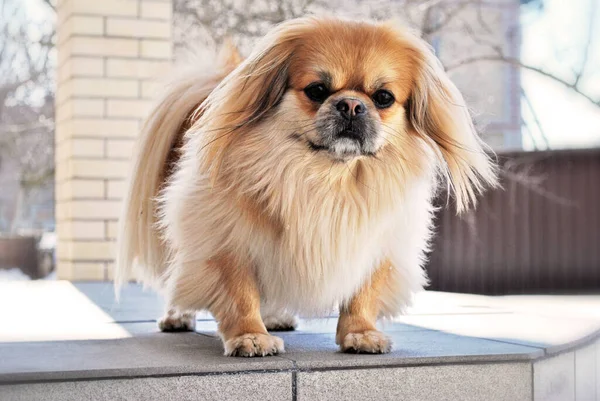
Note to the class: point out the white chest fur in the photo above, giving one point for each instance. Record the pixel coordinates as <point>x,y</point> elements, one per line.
<point>324,257</point>
<point>328,243</point>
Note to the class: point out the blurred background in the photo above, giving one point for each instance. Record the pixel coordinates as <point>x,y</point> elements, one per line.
<point>76,78</point>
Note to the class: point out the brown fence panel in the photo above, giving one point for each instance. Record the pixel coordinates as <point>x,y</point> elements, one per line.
<point>540,233</point>
<point>19,252</point>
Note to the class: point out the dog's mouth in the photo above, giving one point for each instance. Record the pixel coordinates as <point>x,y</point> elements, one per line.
<point>345,147</point>
<point>350,134</point>
<point>316,147</point>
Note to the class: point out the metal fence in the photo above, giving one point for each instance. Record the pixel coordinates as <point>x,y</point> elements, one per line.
<point>540,233</point>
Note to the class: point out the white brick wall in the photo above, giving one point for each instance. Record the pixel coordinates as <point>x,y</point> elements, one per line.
<point>109,54</point>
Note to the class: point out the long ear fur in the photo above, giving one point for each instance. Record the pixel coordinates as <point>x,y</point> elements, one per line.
<point>248,94</point>
<point>438,112</point>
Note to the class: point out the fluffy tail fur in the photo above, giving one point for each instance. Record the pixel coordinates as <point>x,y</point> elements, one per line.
<point>140,250</point>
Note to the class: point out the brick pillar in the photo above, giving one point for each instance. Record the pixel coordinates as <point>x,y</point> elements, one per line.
<point>108,53</point>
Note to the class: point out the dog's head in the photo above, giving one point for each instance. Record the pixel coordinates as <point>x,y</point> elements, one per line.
<point>348,92</point>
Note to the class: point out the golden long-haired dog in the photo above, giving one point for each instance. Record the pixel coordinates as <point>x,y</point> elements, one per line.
<point>297,180</point>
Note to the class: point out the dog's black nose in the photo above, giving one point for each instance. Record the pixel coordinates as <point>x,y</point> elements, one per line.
<point>350,107</point>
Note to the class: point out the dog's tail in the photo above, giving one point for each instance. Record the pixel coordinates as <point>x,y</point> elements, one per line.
<point>141,253</point>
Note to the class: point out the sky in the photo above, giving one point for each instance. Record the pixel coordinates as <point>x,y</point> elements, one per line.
<point>554,40</point>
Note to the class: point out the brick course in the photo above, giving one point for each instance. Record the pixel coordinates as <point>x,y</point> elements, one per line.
<point>109,54</point>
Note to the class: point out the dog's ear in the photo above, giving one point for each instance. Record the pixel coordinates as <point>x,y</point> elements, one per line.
<point>249,92</point>
<point>229,55</point>
<point>438,113</point>
<point>257,85</point>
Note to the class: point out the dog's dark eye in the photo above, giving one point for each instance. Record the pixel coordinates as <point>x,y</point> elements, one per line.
<point>317,92</point>
<point>383,99</point>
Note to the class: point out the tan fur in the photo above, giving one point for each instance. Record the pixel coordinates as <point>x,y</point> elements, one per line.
<point>251,218</point>
<point>174,320</point>
<point>360,314</point>
<point>140,250</point>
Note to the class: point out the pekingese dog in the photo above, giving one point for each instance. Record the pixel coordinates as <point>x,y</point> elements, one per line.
<point>299,180</point>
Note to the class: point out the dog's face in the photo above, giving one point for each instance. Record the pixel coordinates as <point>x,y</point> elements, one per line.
<point>350,85</point>
<point>345,91</point>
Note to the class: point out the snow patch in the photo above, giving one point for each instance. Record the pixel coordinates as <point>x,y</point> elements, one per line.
<point>14,274</point>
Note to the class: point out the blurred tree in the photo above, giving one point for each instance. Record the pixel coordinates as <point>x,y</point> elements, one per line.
<point>26,105</point>
<point>534,3</point>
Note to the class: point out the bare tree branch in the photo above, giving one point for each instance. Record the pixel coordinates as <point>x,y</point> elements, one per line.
<point>431,28</point>
<point>50,4</point>
<point>533,183</point>
<point>535,118</point>
<point>586,50</point>
<point>518,63</point>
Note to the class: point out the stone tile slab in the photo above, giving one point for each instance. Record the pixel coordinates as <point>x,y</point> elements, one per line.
<point>149,352</point>
<point>312,326</point>
<point>585,373</point>
<point>319,351</point>
<point>134,303</point>
<point>143,355</point>
<point>598,370</point>
<point>251,387</point>
<point>551,333</point>
<point>554,378</point>
<point>565,306</point>
<point>495,382</point>
<point>51,311</point>
<point>79,332</point>
<point>444,303</point>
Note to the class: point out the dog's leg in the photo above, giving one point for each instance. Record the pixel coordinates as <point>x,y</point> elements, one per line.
<point>240,323</point>
<point>173,320</point>
<point>277,319</point>
<point>356,330</point>
<point>228,289</point>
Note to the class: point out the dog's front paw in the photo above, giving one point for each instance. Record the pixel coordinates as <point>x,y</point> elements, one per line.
<point>367,342</point>
<point>281,322</point>
<point>175,321</point>
<point>254,344</point>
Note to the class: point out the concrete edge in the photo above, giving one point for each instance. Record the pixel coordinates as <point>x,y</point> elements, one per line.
<point>555,350</point>
<point>291,366</point>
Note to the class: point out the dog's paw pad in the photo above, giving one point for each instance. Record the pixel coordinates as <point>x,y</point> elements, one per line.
<point>368,342</point>
<point>285,322</point>
<point>254,344</point>
<point>177,322</point>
